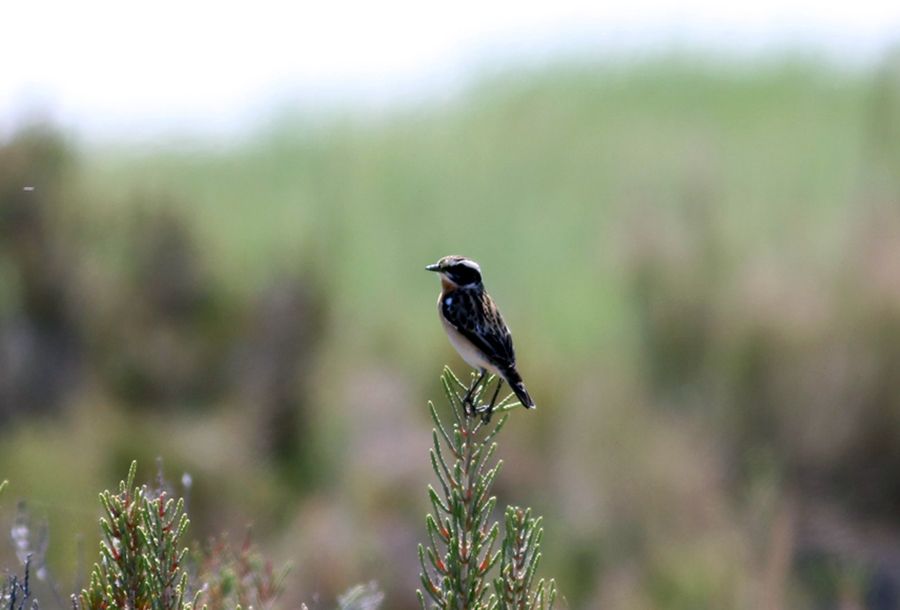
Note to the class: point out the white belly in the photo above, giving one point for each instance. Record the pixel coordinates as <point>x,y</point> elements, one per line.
<point>468,351</point>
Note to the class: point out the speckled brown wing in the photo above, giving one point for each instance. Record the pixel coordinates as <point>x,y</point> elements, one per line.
<point>476,317</point>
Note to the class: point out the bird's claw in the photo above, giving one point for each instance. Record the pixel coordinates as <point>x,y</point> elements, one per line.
<point>472,409</point>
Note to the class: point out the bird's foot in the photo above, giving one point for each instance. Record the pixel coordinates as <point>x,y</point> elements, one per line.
<point>470,408</point>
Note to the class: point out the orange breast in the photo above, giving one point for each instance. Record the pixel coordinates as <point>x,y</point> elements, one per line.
<point>447,285</point>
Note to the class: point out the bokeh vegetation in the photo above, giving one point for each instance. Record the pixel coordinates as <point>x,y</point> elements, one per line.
<point>699,261</point>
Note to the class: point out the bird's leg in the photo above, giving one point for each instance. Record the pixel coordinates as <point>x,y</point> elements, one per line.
<point>467,400</point>
<point>489,410</point>
<point>496,392</point>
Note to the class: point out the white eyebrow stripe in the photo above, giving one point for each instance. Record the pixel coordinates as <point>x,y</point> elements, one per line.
<point>470,264</point>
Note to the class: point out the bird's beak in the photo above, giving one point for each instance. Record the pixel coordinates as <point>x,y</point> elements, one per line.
<point>434,267</point>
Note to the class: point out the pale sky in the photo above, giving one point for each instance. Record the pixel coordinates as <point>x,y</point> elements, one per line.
<point>114,68</point>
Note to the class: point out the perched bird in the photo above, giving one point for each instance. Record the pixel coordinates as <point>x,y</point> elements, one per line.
<point>475,327</point>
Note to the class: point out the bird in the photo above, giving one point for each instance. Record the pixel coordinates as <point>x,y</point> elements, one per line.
<point>476,329</point>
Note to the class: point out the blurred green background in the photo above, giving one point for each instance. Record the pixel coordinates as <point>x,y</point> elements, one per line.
<point>699,260</point>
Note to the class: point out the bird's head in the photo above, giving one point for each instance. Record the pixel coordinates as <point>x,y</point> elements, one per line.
<point>457,270</point>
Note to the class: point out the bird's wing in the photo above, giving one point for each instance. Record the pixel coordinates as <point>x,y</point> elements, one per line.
<point>477,318</point>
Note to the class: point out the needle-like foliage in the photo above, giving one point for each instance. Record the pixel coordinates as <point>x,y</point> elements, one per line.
<point>144,564</point>
<point>518,564</point>
<point>462,531</point>
<point>141,552</point>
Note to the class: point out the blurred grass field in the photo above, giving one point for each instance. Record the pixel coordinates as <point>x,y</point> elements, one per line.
<point>697,259</point>
<point>536,175</point>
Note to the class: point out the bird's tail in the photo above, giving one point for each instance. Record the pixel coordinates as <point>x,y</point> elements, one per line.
<point>514,380</point>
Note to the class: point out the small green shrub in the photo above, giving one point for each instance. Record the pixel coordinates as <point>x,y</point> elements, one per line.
<point>141,554</point>
<point>145,564</point>
<point>463,532</point>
